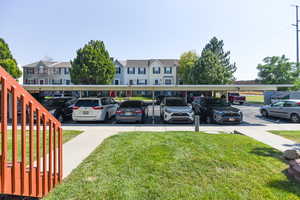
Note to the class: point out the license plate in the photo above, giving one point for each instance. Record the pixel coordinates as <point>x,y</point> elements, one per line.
<point>231,119</point>
<point>128,113</point>
<point>85,112</point>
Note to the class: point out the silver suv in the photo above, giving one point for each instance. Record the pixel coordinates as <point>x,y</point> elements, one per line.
<point>287,109</point>
<point>175,109</point>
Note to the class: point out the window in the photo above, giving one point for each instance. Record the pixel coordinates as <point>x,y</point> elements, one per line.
<point>29,70</point>
<point>156,82</point>
<point>118,70</point>
<point>59,70</point>
<point>87,103</point>
<point>41,70</point>
<point>141,82</point>
<point>168,70</point>
<point>156,70</point>
<point>130,82</point>
<point>105,101</point>
<point>68,82</point>
<point>66,70</point>
<point>130,70</point>
<point>291,104</point>
<point>168,82</point>
<point>116,82</point>
<point>278,104</point>
<point>142,70</point>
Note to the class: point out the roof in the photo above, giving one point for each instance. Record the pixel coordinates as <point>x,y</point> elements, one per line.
<point>154,87</point>
<point>148,62</point>
<point>49,64</point>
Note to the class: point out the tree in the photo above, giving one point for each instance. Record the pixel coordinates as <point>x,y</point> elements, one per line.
<point>277,70</point>
<point>7,61</point>
<point>92,65</point>
<point>187,63</point>
<point>214,67</point>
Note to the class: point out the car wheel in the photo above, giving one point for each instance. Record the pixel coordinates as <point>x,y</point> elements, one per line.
<point>295,118</point>
<point>106,118</point>
<point>264,113</point>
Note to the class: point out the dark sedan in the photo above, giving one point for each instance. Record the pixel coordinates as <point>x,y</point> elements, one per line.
<point>60,107</point>
<point>216,110</point>
<point>131,111</point>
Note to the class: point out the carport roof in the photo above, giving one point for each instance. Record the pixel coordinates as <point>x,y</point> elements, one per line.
<point>154,87</point>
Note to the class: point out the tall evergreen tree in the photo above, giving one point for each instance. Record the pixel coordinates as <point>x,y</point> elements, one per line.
<point>214,66</point>
<point>7,61</point>
<point>92,65</point>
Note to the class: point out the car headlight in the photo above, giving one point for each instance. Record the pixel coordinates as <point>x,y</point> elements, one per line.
<point>219,112</point>
<point>52,112</point>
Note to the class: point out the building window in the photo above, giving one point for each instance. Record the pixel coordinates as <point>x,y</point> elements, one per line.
<point>168,70</point>
<point>66,70</point>
<point>142,82</point>
<point>131,70</point>
<point>130,82</point>
<point>59,70</point>
<point>41,70</point>
<point>68,82</point>
<point>168,81</point>
<point>41,82</point>
<point>29,70</point>
<point>142,70</point>
<point>116,82</point>
<point>118,70</point>
<point>156,82</point>
<point>156,70</point>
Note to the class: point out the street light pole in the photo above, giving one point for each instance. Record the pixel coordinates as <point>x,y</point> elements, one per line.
<point>297,36</point>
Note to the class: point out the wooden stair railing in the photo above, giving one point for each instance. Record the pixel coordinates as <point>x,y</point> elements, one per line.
<point>31,158</point>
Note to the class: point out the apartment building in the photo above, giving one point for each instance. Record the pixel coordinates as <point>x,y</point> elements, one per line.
<point>47,73</point>
<point>146,72</point>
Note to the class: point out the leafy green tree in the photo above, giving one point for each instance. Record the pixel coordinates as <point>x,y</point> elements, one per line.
<point>7,61</point>
<point>92,65</point>
<point>214,67</point>
<point>187,63</point>
<point>277,70</point>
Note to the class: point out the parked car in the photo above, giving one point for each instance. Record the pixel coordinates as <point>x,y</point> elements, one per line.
<point>94,109</point>
<point>286,109</point>
<point>131,111</point>
<point>175,109</point>
<point>217,110</point>
<point>61,107</point>
<point>236,98</point>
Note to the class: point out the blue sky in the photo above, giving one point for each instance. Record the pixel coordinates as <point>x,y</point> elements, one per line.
<point>137,29</point>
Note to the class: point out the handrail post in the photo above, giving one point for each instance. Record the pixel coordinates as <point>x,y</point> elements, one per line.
<point>4,134</point>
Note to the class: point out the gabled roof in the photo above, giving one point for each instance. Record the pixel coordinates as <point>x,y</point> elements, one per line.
<point>148,62</point>
<point>49,64</point>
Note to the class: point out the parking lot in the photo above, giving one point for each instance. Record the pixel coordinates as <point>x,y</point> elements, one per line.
<point>251,115</point>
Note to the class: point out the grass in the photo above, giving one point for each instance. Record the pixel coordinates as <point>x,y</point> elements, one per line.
<point>133,98</point>
<point>67,136</point>
<point>256,99</point>
<point>179,165</point>
<point>292,135</point>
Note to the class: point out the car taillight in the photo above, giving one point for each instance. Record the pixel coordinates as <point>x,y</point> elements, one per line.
<point>75,107</point>
<point>139,111</point>
<point>97,107</point>
<point>119,112</point>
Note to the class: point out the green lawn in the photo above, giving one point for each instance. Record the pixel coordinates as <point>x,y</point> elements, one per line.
<point>67,135</point>
<point>292,135</point>
<point>133,98</point>
<point>257,99</point>
<point>179,165</point>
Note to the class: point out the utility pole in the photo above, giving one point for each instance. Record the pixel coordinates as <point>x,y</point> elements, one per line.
<point>297,36</point>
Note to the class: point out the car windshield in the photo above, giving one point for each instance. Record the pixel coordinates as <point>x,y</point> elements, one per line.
<point>87,103</point>
<point>131,104</point>
<point>217,102</point>
<point>175,102</point>
<point>51,103</point>
<point>234,94</point>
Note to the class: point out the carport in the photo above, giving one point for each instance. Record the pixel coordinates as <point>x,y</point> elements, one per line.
<point>183,88</point>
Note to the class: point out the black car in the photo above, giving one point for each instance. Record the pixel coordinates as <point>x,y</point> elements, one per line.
<point>216,110</point>
<point>61,107</point>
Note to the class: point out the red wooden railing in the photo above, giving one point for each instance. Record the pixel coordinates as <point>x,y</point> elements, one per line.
<point>31,165</point>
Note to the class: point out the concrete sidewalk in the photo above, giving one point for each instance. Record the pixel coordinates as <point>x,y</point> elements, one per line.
<point>76,150</point>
